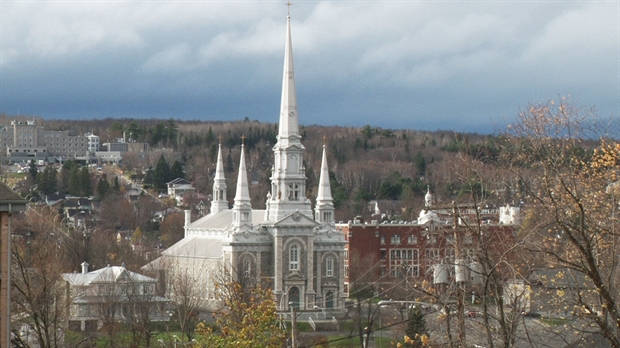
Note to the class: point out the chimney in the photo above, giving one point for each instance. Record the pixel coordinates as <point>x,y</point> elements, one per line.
<point>84,267</point>
<point>188,217</point>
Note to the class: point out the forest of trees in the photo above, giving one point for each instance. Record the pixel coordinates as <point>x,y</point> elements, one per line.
<point>365,163</point>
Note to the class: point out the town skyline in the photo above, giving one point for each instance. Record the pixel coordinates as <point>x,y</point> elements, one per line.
<point>462,66</point>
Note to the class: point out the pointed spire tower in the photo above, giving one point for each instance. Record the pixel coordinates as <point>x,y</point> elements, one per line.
<point>242,209</point>
<point>219,201</point>
<point>324,210</point>
<point>288,178</point>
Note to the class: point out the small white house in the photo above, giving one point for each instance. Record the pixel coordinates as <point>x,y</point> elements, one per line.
<point>111,293</point>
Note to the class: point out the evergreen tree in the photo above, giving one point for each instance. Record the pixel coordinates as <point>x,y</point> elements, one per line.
<point>65,173</point>
<point>134,131</point>
<point>229,166</point>
<point>149,176</point>
<point>162,173</point>
<point>116,187</point>
<point>420,163</point>
<point>33,171</point>
<point>157,133</point>
<point>47,180</point>
<point>209,138</point>
<point>74,182</point>
<point>86,187</point>
<point>176,171</point>
<point>103,187</point>
<point>339,192</point>
<point>416,328</point>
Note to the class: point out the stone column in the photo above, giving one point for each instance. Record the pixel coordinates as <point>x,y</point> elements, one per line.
<point>277,269</point>
<point>310,293</point>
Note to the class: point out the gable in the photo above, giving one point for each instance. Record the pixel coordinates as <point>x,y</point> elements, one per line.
<point>296,219</point>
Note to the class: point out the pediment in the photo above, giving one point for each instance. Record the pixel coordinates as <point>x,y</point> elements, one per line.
<point>296,219</point>
<point>295,276</point>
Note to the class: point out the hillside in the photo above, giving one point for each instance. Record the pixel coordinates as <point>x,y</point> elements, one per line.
<point>367,163</point>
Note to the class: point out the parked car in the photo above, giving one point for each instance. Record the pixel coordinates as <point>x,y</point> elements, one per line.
<point>532,315</point>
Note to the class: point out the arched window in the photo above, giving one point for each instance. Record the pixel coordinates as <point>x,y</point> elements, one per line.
<point>293,257</point>
<point>247,267</point>
<point>329,266</point>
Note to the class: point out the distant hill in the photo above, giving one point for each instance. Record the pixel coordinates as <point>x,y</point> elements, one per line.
<point>367,162</point>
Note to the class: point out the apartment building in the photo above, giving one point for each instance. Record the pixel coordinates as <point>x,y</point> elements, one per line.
<point>23,141</point>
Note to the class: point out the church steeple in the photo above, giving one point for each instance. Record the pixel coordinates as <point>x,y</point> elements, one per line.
<point>242,209</point>
<point>288,177</point>
<point>219,202</point>
<point>289,119</point>
<point>324,210</point>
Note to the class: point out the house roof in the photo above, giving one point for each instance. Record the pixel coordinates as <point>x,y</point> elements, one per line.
<point>178,181</point>
<point>110,274</point>
<point>10,200</point>
<point>179,187</point>
<point>6,194</point>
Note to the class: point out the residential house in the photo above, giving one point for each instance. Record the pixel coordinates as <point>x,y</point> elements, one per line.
<point>178,186</point>
<point>111,293</point>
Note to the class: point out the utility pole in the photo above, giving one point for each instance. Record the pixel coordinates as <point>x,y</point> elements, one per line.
<point>460,277</point>
<point>293,325</point>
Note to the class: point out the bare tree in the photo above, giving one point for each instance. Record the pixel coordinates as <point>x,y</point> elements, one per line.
<point>38,294</point>
<point>568,167</point>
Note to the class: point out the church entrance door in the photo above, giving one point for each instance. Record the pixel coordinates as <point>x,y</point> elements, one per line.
<point>329,300</point>
<point>293,296</point>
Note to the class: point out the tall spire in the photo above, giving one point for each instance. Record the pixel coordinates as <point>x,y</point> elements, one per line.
<point>242,209</point>
<point>219,201</point>
<point>289,119</point>
<point>288,176</point>
<point>324,210</point>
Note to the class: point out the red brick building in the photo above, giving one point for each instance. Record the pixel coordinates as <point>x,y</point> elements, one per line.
<point>426,249</point>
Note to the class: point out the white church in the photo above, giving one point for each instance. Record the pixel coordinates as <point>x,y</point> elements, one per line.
<point>290,246</point>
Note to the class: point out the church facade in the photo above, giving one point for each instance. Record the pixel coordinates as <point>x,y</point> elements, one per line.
<point>289,245</point>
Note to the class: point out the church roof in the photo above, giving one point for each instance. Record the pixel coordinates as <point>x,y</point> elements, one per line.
<point>223,220</point>
<point>196,247</point>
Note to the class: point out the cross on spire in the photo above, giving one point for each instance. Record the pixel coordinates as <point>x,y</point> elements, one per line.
<point>242,139</point>
<point>288,4</point>
<point>325,140</point>
<point>220,137</point>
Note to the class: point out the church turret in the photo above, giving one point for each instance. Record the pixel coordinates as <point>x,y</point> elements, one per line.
<point>288,178</point>
<point>429,200</point>
<point>242,209</point>
<point>219,202</point>
<point>324,210</point>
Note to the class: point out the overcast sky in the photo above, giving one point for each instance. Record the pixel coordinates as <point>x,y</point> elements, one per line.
<point>425,65</point>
